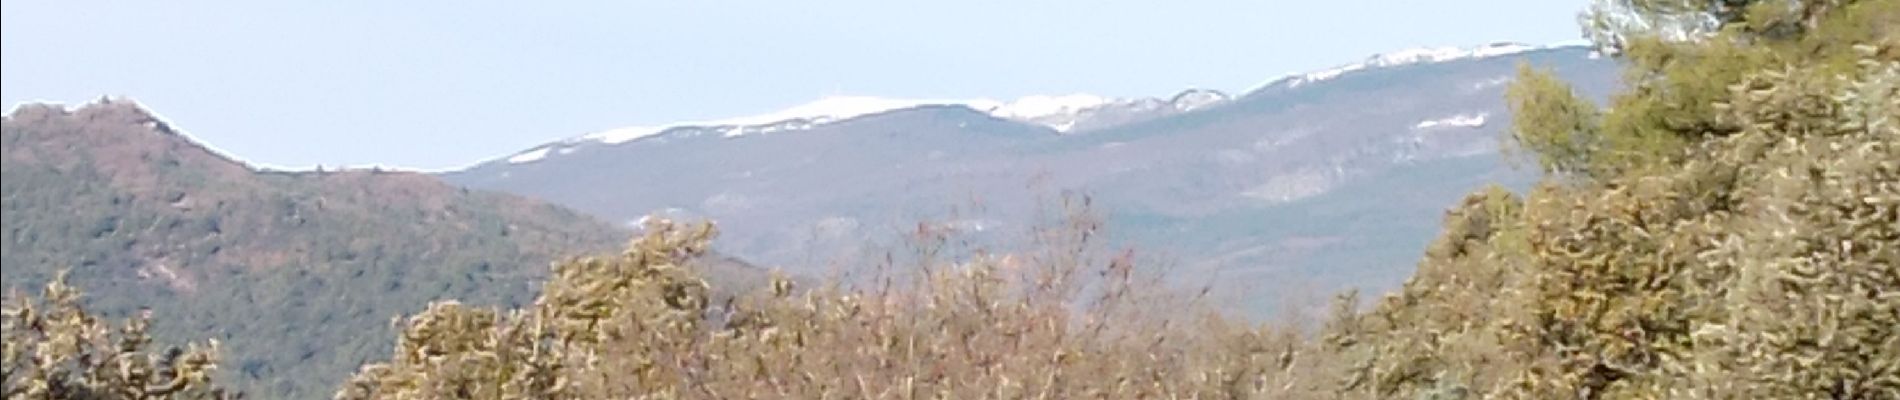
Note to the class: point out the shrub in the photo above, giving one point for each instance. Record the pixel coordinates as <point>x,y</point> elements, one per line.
<point>56,349</point>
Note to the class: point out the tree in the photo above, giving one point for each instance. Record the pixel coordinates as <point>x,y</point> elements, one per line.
<point>1558,127</point>
<point>1682,57</point>
<point>1733,235</point>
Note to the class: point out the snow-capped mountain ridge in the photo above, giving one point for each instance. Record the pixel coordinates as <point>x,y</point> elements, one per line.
<point>1034,107</point>
<point>1195,99</point>
<point>1420,55</point>
<point>1062,113</point>
<point>828,109</point>
<point>1071,113</point>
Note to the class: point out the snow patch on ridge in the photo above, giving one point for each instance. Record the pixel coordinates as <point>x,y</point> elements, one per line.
<point>829,109</point>
<point>1036,109</point>
<point>530,155</point>
<point>1455,121</point>
<point>1195,99</point>
<point>1491,83</point>
<point>1414,56</point>
<point>1040,106</point>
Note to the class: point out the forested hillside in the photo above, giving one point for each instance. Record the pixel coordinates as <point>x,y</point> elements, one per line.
<point>296,273</point>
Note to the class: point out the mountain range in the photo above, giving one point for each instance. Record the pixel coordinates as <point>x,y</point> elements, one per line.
<point>1304,185</point>
<point>1310,183</point>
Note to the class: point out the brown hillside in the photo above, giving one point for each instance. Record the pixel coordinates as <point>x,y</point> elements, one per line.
<point>297,273</point>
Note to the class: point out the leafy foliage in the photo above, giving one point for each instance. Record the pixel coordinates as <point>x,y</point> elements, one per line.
<point>1730,234</point>
<point>1677,79</point>
<point>1557,126</point>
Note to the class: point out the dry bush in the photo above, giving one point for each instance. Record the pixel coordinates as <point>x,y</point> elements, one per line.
<point>58,350</point>
<point>1067,320</point>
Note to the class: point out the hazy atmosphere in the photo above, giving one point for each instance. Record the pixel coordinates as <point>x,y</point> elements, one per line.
<point>986,200</point>
<point>396,83</point>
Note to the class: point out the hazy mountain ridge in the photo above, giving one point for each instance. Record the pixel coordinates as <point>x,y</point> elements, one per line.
<point>1063,114</point>
<point>1071,113</point>
<point>1250,184</point>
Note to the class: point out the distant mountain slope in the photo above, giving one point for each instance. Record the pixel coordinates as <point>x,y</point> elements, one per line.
<point>1318,181</point>
<point>297,273</point>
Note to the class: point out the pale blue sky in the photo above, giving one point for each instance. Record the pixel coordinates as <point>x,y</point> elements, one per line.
<point>435,84</point>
